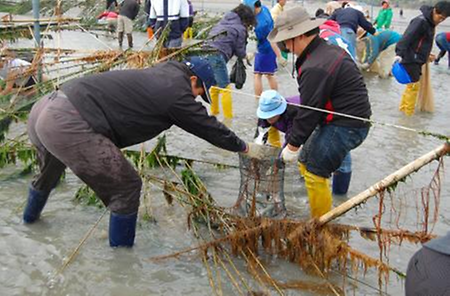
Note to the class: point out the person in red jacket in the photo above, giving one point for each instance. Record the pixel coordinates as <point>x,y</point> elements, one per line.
<point>443,42</point>
<point>84,125</point>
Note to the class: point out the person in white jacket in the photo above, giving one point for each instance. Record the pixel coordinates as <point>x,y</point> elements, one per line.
<point>170,12</point>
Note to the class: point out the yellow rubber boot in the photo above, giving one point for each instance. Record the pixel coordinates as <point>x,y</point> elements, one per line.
<point>214,93</point>
<point>227,102</point>
<point>191,32</point>
<point>319,193</point>
<point>186,34</point>
<point>274,137</point>
<point>301,169</point>
<point>409,98</point>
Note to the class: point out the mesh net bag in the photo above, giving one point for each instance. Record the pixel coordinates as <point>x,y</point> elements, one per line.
<point>261,192</point>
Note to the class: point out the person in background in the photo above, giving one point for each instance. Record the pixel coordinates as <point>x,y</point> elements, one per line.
<point>414,48</point>
<point>86,123</point>
<point>275,12</point>
<point>129,9</point>
<point>149,29</point>
<point>443,42</point>
<point>429,269</point>
<point>332,6</point>
<point>384,18</point>
<point>277,9</point>
<point>18,75</point>
<point>328,79</point>
<point>376,52</point>
<point>331,31</point>
<point>266,57</point>
<point>401,12</point>
<point>109,18</point>
<point>349,19</point>
<point>111,5</point>
<point>236,24</point>
<point>188,33</point>
<point>177,13</point>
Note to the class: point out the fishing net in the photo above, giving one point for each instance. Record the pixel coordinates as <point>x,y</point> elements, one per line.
<point>261,191</point>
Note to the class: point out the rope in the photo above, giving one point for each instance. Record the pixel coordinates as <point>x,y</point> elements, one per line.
<point>93,36</point>
<point>371,121</point>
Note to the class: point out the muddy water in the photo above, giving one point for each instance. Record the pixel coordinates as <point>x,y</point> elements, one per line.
<point>31,255</point>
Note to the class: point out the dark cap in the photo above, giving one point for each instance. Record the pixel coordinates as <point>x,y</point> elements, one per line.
<point>203,70</point>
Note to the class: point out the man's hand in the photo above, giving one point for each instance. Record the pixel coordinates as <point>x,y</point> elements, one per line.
<point>290,153</point>
<point>431,58</point>
<point>254,151</point>
<point>282,62</point>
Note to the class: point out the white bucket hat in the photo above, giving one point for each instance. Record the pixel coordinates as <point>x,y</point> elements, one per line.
<point>292,23</point>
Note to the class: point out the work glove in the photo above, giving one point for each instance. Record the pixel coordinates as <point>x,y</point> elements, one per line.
<point>261,135</point>
<point>282,62</point>
<point>254,151</point>
<point>287,155</point>
<point>397,59</point>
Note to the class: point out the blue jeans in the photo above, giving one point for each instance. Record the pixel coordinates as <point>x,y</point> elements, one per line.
<point>350,36</point>
<point>327,147</point>
<point>219,66</point>
<point>173,43</point>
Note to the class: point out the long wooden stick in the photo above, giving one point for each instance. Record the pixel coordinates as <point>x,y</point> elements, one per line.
<point>52,20</point>
<point>378,187</point>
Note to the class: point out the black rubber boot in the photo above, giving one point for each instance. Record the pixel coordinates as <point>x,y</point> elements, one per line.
<point>122,230</point>
<point>120,37</point>
<point>35,204</point>
<point>130,40</point>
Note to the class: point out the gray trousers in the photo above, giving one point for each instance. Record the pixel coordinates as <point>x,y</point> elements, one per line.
<point>64,139</point>
<point>428,274</point>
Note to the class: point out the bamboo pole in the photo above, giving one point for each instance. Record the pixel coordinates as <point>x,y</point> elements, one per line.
<point>51,20</point>
<point>378,187</point>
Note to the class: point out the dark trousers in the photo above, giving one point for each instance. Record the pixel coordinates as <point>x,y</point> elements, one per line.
<point>64,139</point>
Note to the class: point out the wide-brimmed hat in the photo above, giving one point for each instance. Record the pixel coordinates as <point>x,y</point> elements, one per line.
<point>271,104</point>
<point>292,23</point>
<point>203,70</point>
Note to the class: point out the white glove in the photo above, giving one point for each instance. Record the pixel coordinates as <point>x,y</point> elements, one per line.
<point>288,155</point>
<point>397,59</point>
<point>282,62</point>
<point>254,151</point>
<point>261,135</point>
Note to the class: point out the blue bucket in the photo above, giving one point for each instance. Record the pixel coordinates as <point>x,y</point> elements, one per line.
<point>400,73</point>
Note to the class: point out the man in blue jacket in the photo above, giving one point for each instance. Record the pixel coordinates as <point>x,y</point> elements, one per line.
<point>84,125</point>
<point>350,19</point>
